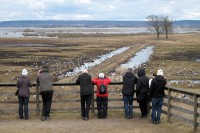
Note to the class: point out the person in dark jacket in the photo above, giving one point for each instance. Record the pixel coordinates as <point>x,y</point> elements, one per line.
<point>102,99</point>
<point>129,81</point>
<point>44,80</point>
<point>142,89</point>
<point>86,91</point>
<point>23,84</point>
<point>156,93</point>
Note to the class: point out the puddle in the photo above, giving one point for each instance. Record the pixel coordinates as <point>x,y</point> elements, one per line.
<point>100,59</point>
<point>139,58</point>
<point>184,81</point>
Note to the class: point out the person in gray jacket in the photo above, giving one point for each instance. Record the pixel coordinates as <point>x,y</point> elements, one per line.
<point>44,80</point>
<point>23,84</point>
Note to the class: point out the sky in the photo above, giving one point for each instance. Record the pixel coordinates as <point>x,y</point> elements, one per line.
<point>117,10</point>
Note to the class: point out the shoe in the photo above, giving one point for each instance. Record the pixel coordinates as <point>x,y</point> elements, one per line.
<point>26,118</point>
<point>83,118</point>
<point>154,122</point>
<point>86,118</point>
<point>141,116</point>
<point>48,118</point>
<point>43,118</point>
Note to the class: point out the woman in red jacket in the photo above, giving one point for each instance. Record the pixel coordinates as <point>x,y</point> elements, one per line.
<point>102,94</point>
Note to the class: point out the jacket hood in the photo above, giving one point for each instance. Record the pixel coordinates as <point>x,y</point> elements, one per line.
<point>128,74</point>
<point>159,78</point>
<point>141,72</point>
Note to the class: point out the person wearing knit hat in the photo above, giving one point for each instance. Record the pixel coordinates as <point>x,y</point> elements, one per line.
<point>160,72</point>
<point>23,84</point>
<point>102,96</point>
<point>24,72</point>
<point>156,93</point>
<point>86,91</point>
<point>45,80</point>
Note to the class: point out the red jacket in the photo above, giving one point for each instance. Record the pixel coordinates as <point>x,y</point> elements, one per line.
<point>98,82</point>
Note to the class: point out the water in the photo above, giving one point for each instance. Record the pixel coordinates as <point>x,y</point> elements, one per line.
<point>184,81</point>
<point>139,58</point>
<point>89,65</point>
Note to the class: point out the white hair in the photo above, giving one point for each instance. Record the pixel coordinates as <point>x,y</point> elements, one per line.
<point>160,72</point>
<point>101,75</point>
<point>84,71</point>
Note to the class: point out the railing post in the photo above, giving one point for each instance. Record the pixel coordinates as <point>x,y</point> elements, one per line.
<point>169,105</point>
<point>92,101</point>
<point>195,114</point>
<point>37,100</point>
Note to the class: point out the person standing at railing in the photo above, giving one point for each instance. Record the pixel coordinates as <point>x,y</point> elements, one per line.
<point>156,93</point>
<point>142,89</point>
<point>86,91</point>
<point>44,80</point>
<point>129,82</point>
<point>23,84</point>
<point>102,94</point>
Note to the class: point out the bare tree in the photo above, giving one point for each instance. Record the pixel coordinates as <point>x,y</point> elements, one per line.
<point>167,25</point>
<point>155,24</point>
<point>160,24</point>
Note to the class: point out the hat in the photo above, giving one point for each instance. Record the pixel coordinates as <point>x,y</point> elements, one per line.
<point>101,75</point>
<point>84,71</point>
<point>24,72</point>
<point>160,72</point>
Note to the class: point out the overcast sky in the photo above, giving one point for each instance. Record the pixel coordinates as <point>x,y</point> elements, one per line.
<point>98,9</point>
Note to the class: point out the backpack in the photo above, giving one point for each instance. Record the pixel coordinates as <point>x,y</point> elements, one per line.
<point>102,88</point>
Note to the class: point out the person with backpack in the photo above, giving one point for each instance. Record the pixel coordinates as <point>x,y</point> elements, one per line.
<point>102,94</point>
<point>23,84</point>
<point>156,93</point>
<point>44,80</point>
<point>86,91</point>
<point>142,90</point>
<point>129,81</point>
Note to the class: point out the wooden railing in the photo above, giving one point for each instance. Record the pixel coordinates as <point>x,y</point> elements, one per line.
<point>173,106</point>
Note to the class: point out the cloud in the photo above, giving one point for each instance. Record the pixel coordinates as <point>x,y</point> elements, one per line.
<point>97,9</point>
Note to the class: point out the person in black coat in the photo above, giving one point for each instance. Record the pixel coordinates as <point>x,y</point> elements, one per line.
<point>156,93</point>
<point>86,91</point>
<point>142,89</point>
<point>129,81</point>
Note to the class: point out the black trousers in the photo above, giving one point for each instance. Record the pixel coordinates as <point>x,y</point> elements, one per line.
<point>23,107</point>
<point>47,100</point>
<point>102,106</point>
<point>85,105</point>
<point>143,107</point>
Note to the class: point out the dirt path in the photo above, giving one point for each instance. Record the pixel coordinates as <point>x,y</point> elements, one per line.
<point>94,125</point>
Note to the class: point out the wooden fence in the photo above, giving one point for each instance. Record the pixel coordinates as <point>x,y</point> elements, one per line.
<point>173,106</point>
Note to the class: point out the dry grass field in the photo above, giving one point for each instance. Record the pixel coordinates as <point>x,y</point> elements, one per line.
<point>178,56</point>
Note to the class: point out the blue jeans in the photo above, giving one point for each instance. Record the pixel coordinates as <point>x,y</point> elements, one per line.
<point>23,107</point>
<point>156,109</point>
<point>128,105</point>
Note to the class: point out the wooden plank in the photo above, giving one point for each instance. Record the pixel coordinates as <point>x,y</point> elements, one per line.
<point>195,124</point>
<point>182,118</point>
<point>182,101</point>
<point>182,110</point>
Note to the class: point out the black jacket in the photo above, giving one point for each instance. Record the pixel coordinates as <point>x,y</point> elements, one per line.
<point>129,81</point>
<point>142,87</point>
<point>23,84</point>
<point>157,87</point>
<point>85,82</point>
